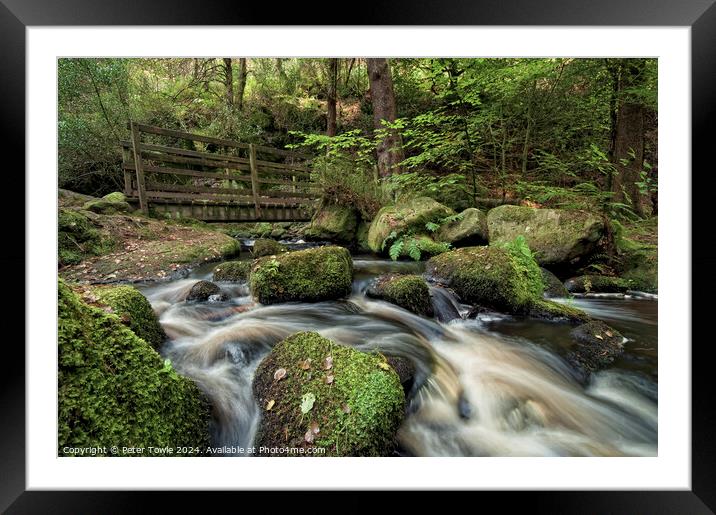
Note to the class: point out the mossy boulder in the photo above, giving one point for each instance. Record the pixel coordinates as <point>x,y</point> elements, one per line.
<point>311,275</point>
<point>233,271</point>
<point>498,277</point>
<point>331,396</point>
<point>78,238</point>
<point>641,270</point>
<point>557,312</point>
<point>416,247</point>
<point>596,284</point>
<point>410,292</point>
<point>112,203</point>
<point>133,309</point>
<point>205,290</point>
<point>468,230</point>
<point>597,345</point>
<point>361,242</point>
<point>114,389</point>
<point>553,287</point>
<point>267,247</point>
<point>556,236</point>
<point>333,223</point>
<point>404,217</point>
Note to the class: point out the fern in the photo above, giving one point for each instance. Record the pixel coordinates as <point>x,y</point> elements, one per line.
<point>391,236</point>
<point>414,250</point>
<point>396,249</point>
<point>432,226</point>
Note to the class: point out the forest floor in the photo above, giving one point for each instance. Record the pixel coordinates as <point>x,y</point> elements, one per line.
<point>146,249</point>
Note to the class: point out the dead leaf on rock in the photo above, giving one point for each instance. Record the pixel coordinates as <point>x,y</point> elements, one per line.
<point>346,408</point>
<point>384,365</point>
<point>608,333</point>
<point>270,404</point>
<point>305,364</point>
<point>314,428</point>
<point>329,379</point>
<point>599,336</point>
<point>328,363</point>
<point>308,436</point>
<point>279,374</point>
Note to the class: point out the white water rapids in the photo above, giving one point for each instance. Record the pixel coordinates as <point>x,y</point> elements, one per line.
<point>480,389</point>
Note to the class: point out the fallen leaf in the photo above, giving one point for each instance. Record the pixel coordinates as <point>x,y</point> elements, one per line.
<point>270,404</point>
<point>279,374</point>
<point>608,333</point>
<point>305,364</point>
<point>346,408</point>
<point>599,336</point>
<point>314,428</point>
<point>329,379</point>
<point>384,365</point>
<point>308,436</point>
<point>328,363</point>
<point>307,402</point>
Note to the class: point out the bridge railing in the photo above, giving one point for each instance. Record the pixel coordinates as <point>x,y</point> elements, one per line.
<point>170,167</point>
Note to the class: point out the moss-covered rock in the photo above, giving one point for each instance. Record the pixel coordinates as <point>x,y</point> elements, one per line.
<point>417,247</point>
<point>557,312</point>
<point>597,345</point>
<point>311,275</point>
<point>410,292</point>
<point>556,236</point>
<point>265,247</point>
<point>361,243</point>
<point>79,238</point>
<point>133,309</point>
<point>333,223</point>
<point>111,203</point>
<point>596,284</point>
<point>405,217</point>
<point>205,290</point>
<point>333,397</point>
<point>553,287</point>
<point>498,277</point>
<point>641,270</point>
<point>468,230</point>
<point>114,389</point>
<point>233,271</point>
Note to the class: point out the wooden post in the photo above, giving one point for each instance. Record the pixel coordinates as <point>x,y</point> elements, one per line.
<point>127,173</point>
<point>254,180</point>
<point>139,168</point>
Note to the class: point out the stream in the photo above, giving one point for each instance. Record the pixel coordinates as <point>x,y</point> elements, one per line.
<point>492,385</point>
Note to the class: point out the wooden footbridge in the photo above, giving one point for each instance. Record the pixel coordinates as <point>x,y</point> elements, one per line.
<point>213,179</point>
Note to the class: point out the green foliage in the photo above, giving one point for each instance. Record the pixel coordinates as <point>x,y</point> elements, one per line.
<point>114,389</point>
<point>357,413</point>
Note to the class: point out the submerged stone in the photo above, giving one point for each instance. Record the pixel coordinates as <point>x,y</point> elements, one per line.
<point>597,345</point>
<point>204,290</point>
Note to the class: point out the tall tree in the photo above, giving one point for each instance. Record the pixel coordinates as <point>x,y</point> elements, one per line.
<point>390,149</point>
<point>241,86</point>
<point>332,96</point>
<point>629,138</point>
<point>229,81</point>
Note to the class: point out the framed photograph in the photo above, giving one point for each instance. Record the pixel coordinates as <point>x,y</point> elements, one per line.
<point>429,249</point>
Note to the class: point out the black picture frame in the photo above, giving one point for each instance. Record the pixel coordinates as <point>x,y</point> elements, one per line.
<point>700,15</point>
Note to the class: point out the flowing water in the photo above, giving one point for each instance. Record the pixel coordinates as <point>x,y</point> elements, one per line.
<point>486,386</point>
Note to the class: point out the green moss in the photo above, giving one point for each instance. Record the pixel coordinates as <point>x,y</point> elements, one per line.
<point>233,271</point>
<point>501,277</point>
<point>402,218</point>
<point>134,310</point>
<point>114,389</point>
<point>266,247</point>
<point>78,238</point>
<point>362,238</point>
<point>556,236</point>
<point>111,203</point>
<point>334,223</point>
<point>419,247</point>
<point>410,292</point>
<point>116,196</point>
<point>553,286</point>
<point>469,229</point>
<point>357,414</point>
<point>556,311</point>
<point>596,284</point>
<point>309,275</point>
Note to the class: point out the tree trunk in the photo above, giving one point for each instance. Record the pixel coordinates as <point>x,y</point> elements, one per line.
<point>390,149</point>
<point>332,94</point>
<point>629,144</point>
<point>229,81</point>
<point>241,87</point>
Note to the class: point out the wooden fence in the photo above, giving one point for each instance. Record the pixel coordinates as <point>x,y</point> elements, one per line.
<point>213,179</point>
